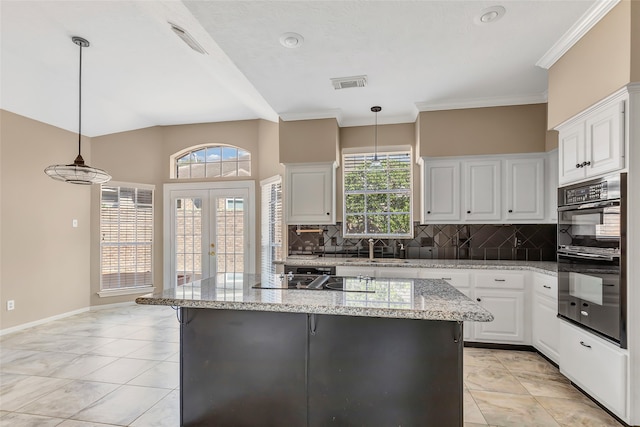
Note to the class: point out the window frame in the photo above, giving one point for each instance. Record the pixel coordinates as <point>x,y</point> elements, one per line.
<point>369,152</point>
<point>174,162</point>
<point>268,226</point>
<point>136,288</point>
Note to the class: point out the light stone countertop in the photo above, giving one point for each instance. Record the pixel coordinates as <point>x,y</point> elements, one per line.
<point>423,299</point>
<point>545,267</point>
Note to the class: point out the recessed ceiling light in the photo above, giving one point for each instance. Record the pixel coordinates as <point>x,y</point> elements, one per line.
<point>490,14</point>
<point>291,40</point>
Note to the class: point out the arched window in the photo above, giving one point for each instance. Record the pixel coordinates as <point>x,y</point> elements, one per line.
<point>213,161</point>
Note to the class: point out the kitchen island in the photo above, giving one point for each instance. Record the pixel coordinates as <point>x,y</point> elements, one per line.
<point>385,352</point>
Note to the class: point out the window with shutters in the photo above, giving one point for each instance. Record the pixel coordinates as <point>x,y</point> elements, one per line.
<point>377,196</point>
<point>212,161</point>
<point>126,236</point>
<point>271,224</point>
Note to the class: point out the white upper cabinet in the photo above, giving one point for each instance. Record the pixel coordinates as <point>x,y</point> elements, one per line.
<point>482,190</point>
<point>441,191</point>
<point>605,140</point>
<point>489,189</point>
<point>524,188</point>
<point>593,143</point>
<point>310,191</point>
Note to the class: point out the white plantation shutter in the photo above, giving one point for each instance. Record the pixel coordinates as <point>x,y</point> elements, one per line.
<point>271,213</point>
<point>126,236</point>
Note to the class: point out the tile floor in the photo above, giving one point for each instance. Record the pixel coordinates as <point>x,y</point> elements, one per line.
<point>119,367</point>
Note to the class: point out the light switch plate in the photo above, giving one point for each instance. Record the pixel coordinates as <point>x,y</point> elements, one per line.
<point>74,223</point>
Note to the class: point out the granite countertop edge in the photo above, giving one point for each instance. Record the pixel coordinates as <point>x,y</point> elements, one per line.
<point>471,313</point>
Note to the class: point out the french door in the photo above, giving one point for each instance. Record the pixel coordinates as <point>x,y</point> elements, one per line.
<point>210,229</point>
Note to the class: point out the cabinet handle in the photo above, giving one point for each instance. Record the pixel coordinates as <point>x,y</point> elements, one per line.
<point>428,212</point>
<point>578,165</point>
<point>468,211</point>
<point>546,287</point>
<point>446,278</point>
<point>328,213</point>
<point>499,280</point>
<point>510,210</point>
<point>587,163</point>
<point>478,299</point>
<point>584,345</point>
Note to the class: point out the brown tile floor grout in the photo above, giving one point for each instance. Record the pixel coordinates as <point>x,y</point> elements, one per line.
<point>120,366</point>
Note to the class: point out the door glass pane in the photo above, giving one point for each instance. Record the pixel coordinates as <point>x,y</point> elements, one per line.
<point>188,238</point>
<point>229,234</point>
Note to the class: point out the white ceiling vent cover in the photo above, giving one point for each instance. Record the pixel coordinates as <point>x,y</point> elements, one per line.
<point>348,82</point>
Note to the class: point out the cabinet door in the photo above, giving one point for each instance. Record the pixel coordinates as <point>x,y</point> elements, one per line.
<point>441,191</point>
<point>525,189</point>
<point>571,154</point>
<point>605,140</point>
<point>546,326</point>
<point>507,308</point>
<point>595,365</point>
<point>310,194</point>
<point>482,190</point>
<point>383,372</point>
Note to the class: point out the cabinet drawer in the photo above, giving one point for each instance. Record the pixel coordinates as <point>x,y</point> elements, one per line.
<point>546,285</point>
<point>500,279</point>
<point>455,279</point>
<point>596,366</point>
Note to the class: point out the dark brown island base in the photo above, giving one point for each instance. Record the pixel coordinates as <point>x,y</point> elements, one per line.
<point>382,352</point>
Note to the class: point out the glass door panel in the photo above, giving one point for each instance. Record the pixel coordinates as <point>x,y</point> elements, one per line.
<point>188,239</point>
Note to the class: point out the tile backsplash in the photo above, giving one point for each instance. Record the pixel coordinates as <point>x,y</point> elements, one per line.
<point>530,242</point>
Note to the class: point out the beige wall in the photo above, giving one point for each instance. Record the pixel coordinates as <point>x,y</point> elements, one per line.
<point>45,261</point>
<point>388,135</point>
<point>596,66</point>
<point>135,157</point>
<point>477,131</point>
<point>305,141</point>
<point>635,41</point>
<point>143,156</point>
<point>551,142</point>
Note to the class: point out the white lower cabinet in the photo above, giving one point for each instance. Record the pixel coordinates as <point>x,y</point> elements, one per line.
<point>596,366</point>
<point>545,328</point>
<point>507,307</point>
<point>503,294</point>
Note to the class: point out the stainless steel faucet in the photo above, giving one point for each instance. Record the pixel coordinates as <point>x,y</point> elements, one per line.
<point>370,248</point>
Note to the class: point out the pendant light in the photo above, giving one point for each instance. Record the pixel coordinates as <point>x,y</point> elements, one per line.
<point>78,172</point>
<point>375,163</point>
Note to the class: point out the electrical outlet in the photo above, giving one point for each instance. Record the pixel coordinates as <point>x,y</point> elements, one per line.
<point>74,223</point>
<point>11,304</point>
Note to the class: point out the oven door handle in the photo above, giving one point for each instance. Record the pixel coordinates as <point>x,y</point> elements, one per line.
<point>594,205</point>
<point>582,255</point>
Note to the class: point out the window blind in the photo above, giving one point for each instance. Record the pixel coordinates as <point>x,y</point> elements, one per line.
<point>126,237</point>
<point>271,241</point>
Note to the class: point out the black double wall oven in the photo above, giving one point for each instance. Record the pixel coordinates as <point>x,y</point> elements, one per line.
<point>592,256</point>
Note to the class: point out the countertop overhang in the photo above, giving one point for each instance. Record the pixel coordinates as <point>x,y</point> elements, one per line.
<point>420,299</point>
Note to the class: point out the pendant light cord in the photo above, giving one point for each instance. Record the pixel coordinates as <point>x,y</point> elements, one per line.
<point>375,155</point>
<point>80,102</point>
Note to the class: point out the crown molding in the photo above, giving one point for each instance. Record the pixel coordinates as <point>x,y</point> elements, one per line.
<point>498,101</point>
<point>590,18</point>
<point>335,113</point>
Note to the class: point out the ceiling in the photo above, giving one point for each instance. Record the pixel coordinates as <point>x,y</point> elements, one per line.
<point>417,56</point>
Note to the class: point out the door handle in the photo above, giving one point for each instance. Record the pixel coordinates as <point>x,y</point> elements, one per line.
<point>213,245</point>
<point>212,253</point>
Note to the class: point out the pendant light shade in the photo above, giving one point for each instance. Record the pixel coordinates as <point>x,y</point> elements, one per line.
<point>78,172</point>
<point>375,163</point>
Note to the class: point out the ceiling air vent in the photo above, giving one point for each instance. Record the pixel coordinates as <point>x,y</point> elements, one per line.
<point>187,38</point>
<point>347,82</point>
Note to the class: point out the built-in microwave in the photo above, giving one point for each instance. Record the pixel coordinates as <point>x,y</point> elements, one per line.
<point>592,256</point>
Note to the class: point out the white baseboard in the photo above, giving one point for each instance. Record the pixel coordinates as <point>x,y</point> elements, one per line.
<point>114,305</point>
<point>41,321</point>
